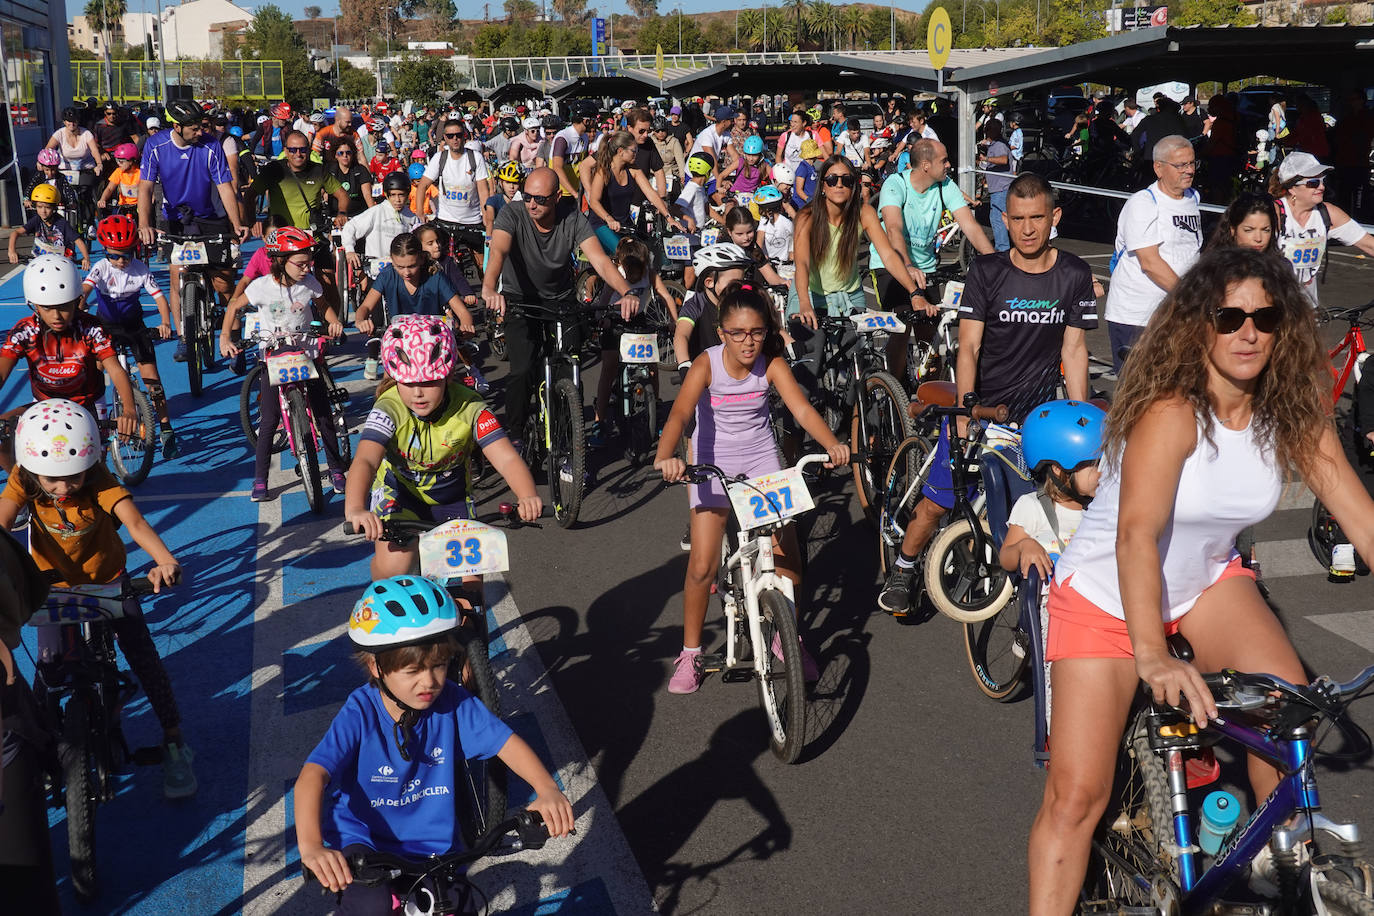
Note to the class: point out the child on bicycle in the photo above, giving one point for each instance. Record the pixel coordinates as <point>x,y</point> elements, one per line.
<point>414,452</point>
<point>411,724</point>
<point>436,244</point>
<point>116,282</point>
<point>726,392</point>
<point>775,226</point>
<point>635,263</point>
<point>716,267</point>
<point>76,509</point>
<point>68,353</point>
<point>508,180</point>
<point>49,173</point>
<point>376,228</point>
<point>52,234</point>
<point>286,301</point>
<point>123,184</point>
<point>421,208</point>
<point>742,229</point>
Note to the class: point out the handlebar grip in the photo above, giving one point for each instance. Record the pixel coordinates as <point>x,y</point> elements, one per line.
<point>996,414</point>
<point>349,529</point>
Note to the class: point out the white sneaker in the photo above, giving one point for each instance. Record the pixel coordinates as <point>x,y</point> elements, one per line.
<point>370,369</point>
<point>1342,563</point>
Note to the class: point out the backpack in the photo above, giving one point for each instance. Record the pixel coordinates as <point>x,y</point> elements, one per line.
<point>472,170</point>
<point>1325,214</point>
<point>1118,254</point>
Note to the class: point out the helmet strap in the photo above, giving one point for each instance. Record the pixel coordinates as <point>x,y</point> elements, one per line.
<point>403,729</point>
<point>1070,492</point>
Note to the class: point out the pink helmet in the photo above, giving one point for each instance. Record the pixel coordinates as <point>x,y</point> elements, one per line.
<point>418,348</point>
<point>126,151</point>
<point>419,155</point>
<point>49,157</point>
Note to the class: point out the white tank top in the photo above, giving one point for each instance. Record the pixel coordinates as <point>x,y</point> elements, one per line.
<point>74,155</point>
<point>1221,491</point>
<point>1304,246</point>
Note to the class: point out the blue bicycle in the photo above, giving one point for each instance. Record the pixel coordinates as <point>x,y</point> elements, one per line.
<point>1149,856</point>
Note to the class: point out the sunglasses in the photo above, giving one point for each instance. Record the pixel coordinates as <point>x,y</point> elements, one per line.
<point>118,255</point>
<point>542,200</point>
<point>1312,183</point>
<point>452,136</point>
<point>738,335</point>
<point>344,152</point>
<point>1230,320</point>
<point>837,180</point>
<point>298,150</point>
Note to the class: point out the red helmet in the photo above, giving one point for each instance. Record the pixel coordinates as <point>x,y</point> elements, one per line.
<point>118,233</point>
<point>382,107</point>
<point>289,240</point>
<point>281,111</point>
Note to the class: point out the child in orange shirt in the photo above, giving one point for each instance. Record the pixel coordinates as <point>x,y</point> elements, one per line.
<point>123,185</point>
<point>422,210</point>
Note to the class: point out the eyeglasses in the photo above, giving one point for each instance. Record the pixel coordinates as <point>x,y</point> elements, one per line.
<point>1189,166</point>
<point>301,262</point>
<point>738,335</point>
<point>542,200</point>
<point>836,180</point>
<point>298,150</point>
<point>1312,183</point>
<point>1230,320</point>
<point>118,256</point>
<point>343,152</point>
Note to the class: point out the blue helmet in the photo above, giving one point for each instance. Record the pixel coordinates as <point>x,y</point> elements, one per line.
<point>416,171</point>
<point>767,195</point>
<point>753,145</point>
<point>401,611</point>
<point>330,112</point>
<point>1066,433</point>
<point>236,131</point>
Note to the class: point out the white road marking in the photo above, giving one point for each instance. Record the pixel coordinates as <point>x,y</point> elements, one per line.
<point>1356,626</point>
<point>1290,557</point>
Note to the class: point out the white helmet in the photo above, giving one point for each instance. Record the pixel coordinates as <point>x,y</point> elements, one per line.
<point>1261,134</point>
<point>784,173</point>
<point>531,123</point>
<point>720,256</point>
<point>51,279</point>
<point>57,438</point>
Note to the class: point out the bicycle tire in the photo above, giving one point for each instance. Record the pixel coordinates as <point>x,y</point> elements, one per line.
<point>830,400</point>
<point>1342,899</point>
<point>893,513</point>
<point>190,334</point>
<point>883,400</point>
<point>206,326</point>
<point>250,417</point>
<point>952,581</point>
<point>641,426</point>
<point>667,353</point>
<point>586,285</point>
<point>567,459</point>
<point>338,413</point>
<point>132,456</point>
<point>998,651</point>
<point>486,787</point>
<point>786,714</point>
<point>966,254</point>
<point>307,458</point>
<point>76,757</point>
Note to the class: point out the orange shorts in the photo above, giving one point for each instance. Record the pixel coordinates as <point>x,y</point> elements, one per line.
<point>1081,629</point>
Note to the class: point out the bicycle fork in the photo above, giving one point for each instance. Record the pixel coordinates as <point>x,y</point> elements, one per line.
<point>757,573</point>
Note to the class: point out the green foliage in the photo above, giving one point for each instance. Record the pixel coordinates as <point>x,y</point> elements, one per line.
<point>1209,13</point>
<point>543,40</point>
<point>103,15</point>
<point>521,11</point>
<point>273,36</point>
<point>312,12</point>
<point>663,30</point>
<point>75,53</point>
<point>424,78</point>
<point>642,8</point>
<point>355,83</point>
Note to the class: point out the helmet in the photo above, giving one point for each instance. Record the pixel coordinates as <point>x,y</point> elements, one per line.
<point>378,124</point>
<point>288,240</point>
<point>530,124</point>
<point>1066,433</point>
<point>51,279</point>
<point>180,111</point>
<point>281,111</point>
<point>660,123</point>
<point>416,171</point>
<point>383,146</point>
<point>154,124</point>
<point>418,348</point>
<point>720,256</point>
<point>552,122</point>
<point>418,155</point>
<point>49,158</point>
<point>767,194</point>
<point>236,131</point>
<point>699,165</point>
<point>118,232</point>
<point>395,181</point>
<point>317,117</point>
<point>400,611</point>
<point>753,145</point>
<point>509,172</point>
<point>510,124</point>
<point>784,173</point>
<point>330,112</point>
<point>44,193</point>
<point>57,438</point>
<point>127,151</point>
<point>506,111</point>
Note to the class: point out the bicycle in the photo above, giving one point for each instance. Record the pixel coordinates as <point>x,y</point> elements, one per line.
<point>952,243</point>
<point>425,885</point>
<point>936,358</point>
<point>635,392</point>
<point>130,455</point>
<point>77,663</point>
<point>349,280</point>
<point>1147,857</point>
<point>758,602</point>
<point>196,255</point>
<point>587,285</point>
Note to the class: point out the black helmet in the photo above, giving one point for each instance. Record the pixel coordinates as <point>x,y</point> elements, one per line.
<point>511,125</point>
<point>552,122</point>
<point>180,111</point>
<point>396,181</point>
<point>660,123</point>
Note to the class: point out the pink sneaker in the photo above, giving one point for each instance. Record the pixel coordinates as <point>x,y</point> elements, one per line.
<point>687,674</point>
<point>810,673</point>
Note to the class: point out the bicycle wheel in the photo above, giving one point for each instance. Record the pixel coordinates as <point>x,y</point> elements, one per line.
<point>1345,889</point>
<point>586,285</point>
<point>782,688</point>
<point>485,779</point>
<point>894,511</point>
<point>966,253</point>
<point>882,407</point>
<point>206,326</point>
<point>829,399</point>
<point>338,412</point>
<point>250,411</point>
<point>964,587</point>
<point>663,320</point>
<point>303,438</point>
<point>77,759</point>
<point>191,294</point>
<point>567,460</point>
<point>1130,846</point>
<point>1324,533</point>
<point>132,456</point>
<point>998,651</point>
<point>641,427</point>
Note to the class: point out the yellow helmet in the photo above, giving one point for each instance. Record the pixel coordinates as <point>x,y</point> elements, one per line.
<point>509,172</point>
<point>44,194</point>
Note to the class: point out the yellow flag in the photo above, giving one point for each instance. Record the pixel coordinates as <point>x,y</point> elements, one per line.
<point>658,62</point>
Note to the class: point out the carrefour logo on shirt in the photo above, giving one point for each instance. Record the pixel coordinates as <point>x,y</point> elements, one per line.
<point>385,773</point>
<point>1032,311</point>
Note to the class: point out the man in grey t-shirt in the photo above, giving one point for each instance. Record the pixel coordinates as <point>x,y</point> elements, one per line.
<point>529,260</point>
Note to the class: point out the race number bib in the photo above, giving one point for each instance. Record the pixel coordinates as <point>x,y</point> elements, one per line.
<point>744,198</point>
<point>770,498</point>
<point>710,236</point>
<point>252,326</point>
<point>877,321</point>
<point>42,245</point>
<point>462,547</point>
<point>285,368</point>
<point>678,248</point>
<point>639,348</point>
<point>634,214</point>
<point>460,196</point>
<point>954,291</point>
<point>189,253</point>
<point>1306,254</point>
<point>94,602</point>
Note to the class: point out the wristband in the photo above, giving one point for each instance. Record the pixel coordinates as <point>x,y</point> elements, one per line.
<point>684,366</point>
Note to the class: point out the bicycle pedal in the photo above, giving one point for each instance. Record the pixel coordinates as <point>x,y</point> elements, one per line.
<point>712,663</point>
<point>737,675</point>
<point>1340,576</point>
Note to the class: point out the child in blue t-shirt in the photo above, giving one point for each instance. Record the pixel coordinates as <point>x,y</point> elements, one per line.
<point>391,759</point>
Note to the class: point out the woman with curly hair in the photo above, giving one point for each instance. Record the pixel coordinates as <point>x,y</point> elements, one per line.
<point>1223,396</point>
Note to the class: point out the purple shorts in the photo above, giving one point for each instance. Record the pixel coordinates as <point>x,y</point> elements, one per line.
<point>711,495</point>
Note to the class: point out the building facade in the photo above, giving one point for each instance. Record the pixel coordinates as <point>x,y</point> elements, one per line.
<point>35,84</point>
<point>194,29</point>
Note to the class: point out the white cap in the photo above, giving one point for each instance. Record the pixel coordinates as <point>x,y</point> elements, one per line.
<point>1300,165</point>
<point>153,122</point>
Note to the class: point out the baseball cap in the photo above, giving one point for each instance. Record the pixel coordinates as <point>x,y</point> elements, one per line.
<point>153,122</point>
<point>725,113</point>
<point>810,149</point>
<point>1296,166</point>
<point>676,109</point>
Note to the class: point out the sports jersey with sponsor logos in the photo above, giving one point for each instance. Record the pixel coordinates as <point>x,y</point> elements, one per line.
<point>63,365</point>
<point>117,289</point>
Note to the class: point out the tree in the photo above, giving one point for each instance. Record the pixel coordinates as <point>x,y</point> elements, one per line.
<point>105,16</point>
<point>854,27</point>
<point>355,83</point>
<point>823,24</point>
<point>750,26</point>
<point>1210,13</point>
<point>424,78</point>
<point>719,35</point>
<point>572,12</point>
<point>780,30</point>
<point>798,8</point>
<point>366,21</point>
<point>312,12</point>
<point>273,36</point>
<point>644,8</point>
<point>521,11</point>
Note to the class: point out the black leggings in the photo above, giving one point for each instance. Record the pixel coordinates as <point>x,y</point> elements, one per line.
<point>131,632</point>
<point>269,410</point>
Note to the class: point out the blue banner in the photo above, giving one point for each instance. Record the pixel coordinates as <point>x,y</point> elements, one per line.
<point>599,48</point>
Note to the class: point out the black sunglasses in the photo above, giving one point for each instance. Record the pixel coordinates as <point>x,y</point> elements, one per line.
<point>1230,320</point>
<point>1312,183</point>
<point>542,200</point>
<point>452,136</point>
<point>836,180</point>
<point>298,149</point>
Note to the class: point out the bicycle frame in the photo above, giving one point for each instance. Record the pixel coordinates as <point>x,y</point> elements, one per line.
<point>1353,345</point>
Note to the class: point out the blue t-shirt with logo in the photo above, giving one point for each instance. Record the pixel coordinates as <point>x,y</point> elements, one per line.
<point>188,175</point>
<point>403,807</point>
<point>431,298</point>
<point>807,173</point>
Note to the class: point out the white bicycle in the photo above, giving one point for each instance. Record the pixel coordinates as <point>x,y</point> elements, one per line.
<point>761,641</point>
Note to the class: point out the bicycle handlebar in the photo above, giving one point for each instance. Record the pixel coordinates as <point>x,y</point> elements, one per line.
<point>137,587</point>
<point>700,473</point>
<point>407,529</point>
<point>996,414</point>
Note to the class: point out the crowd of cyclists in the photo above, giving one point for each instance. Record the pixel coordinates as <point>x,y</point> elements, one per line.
<point>416,226</point>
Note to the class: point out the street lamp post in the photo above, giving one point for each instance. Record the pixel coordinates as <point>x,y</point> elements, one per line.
<point>679,29</point>
<point>892,42</point>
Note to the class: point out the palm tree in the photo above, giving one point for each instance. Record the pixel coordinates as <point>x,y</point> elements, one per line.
<point>854,26</point>
<point>105,16</point>
<point>782,31</point>
<point>750,28</point>
<point>798,8</point>
<point>823,22</point>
